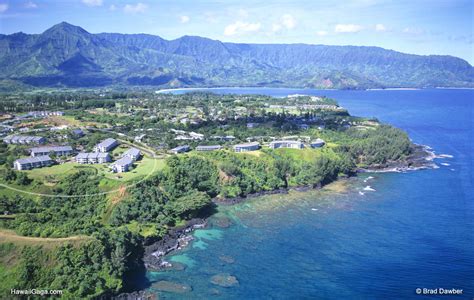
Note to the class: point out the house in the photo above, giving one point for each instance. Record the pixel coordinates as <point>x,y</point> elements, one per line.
<point>58,128</point>
<point>78,132</point>
<point>93,158</point>
<point>223,138</point>
<point>57,150</point>
<point>32,162</point>
<point>133,153</point>
<point>247,147</point>
<point>317,143</point>
<point>208,148</point>
<point>37,114</point>
<point>122,165</point>
<point>286,144</point>
<point>106,145</point>
<point>139,138</point>
<point>196,136</point>
<point>24,139</point>
<point>180,149</point>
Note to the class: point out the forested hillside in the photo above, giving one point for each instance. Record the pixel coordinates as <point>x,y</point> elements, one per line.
<point>67,55</point>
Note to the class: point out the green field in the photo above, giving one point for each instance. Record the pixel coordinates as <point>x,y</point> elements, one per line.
<point>46,178</point>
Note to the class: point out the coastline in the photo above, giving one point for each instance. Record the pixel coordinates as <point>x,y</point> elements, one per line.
<point>421,158</point>
<point>179,237</point>
<point>190,89</point>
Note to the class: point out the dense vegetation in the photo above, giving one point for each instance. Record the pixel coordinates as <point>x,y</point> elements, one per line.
<point>107,230</point>
<point>67,55</point>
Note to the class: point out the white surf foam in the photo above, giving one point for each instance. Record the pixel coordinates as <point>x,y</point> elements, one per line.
<point>369,188</point>
<point>368,178</point>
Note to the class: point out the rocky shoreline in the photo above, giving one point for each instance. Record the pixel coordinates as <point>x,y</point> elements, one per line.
<point>179,237</point>
<point>175,239</point>
<point>421,158</point>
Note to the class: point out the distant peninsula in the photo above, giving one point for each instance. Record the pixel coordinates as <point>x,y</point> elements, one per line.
<point>68,56</point>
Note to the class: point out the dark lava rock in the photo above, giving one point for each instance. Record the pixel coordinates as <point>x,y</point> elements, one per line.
<point>172,287</point>
<point>141,295</point>
<point>224,280</point>
<point>227,259</point>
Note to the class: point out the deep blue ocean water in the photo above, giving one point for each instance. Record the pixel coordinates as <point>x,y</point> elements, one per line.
<point>379,238</point>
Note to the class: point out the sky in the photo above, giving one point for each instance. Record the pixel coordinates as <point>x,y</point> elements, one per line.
<point>423,27</point>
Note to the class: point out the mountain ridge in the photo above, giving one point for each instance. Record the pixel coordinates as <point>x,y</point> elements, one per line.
<point>66,55</point>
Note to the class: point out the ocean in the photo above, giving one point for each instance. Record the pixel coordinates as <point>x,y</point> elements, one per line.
<point>376,236</point>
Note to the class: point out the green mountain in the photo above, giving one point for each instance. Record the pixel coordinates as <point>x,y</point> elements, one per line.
<point>68,56</point>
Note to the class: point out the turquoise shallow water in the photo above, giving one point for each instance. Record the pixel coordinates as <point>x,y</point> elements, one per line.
<point>409,230</point>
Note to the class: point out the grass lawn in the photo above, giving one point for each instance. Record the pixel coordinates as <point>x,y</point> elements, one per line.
<point>46,178</point>
<point>306,154</point>
<point>144,230</point>
<point>50,174</point>
<point>142,168</point>
<point>55,172</point>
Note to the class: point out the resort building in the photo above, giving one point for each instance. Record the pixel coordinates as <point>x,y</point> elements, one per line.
<point>317,143</point>
<point>122,165</point>
<point>286,144</point>
<point>38,114</point>
<point>106,145</point>
<point>32,162</point>
<point>208,148</point>
<point>24,139</point>
<point>93,158</point>
<point>57,150</point>
<point>223,138</point>
<point>247,147</point>
<point>180,149</point>
<point>196,136</point>
<point>133,153</point>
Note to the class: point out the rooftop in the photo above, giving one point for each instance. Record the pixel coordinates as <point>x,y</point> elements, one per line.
<point>51,149</point>
<point>180,148</point>
<point>131,152</point>
<point>123,161</point>
<point>107,142</point>
<point>252,144</point>
<point>30,160</point>
<point>85,155</point>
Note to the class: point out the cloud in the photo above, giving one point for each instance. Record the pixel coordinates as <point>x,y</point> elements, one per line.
<point>93,2</point>
<point>347,28</point>
<point>380,28</point>
<point>31,5</point>
<point>135,9</point>
<point>184,19</point>
<point>241,27</point>
<point>112,7</point>
<point>321,33</point>
<point>3,7</point>
<point>286,21</point>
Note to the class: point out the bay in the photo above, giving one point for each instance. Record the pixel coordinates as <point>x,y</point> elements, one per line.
<point>376,236</point>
